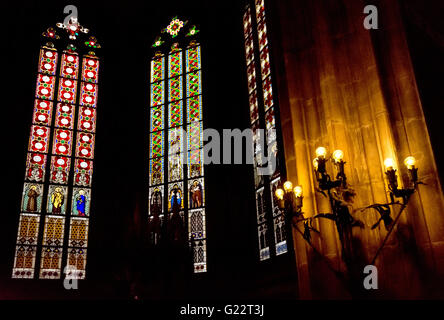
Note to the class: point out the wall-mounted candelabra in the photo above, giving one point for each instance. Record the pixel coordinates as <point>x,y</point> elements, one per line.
<point>340,196</point>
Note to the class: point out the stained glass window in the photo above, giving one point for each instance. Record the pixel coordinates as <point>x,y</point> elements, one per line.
<point>59,163</point>
<point>176,175</point>
<point>262,107</point>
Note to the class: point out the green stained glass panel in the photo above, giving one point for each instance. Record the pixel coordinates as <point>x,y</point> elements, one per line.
<point>157,69</point>
<point>175,114</point>
<point>157,93</point>
<point>157,118</point>
<point>193,59</point>
<point>156,144</point>
<point>175,64</point>
<point>195,138</point>
<point>194,108</point>
<point>193,84</point>
<point>175,89</point>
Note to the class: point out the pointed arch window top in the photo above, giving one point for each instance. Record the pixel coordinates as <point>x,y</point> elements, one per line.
<point>174,27</point>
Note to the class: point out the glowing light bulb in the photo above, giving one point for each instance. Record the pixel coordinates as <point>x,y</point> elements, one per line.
<point>288,186</point>
<point>297,191</point>
<point>410,162</point>
<point>389,164</point>
<point>338,155</point>
<point>279,193</point>
<point>315,163</point>
<point>321,152</point>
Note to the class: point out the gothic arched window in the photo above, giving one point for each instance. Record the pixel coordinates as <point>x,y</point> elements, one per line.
<point>176,172</point>
<point>263,109</point>
<point>60,156</point>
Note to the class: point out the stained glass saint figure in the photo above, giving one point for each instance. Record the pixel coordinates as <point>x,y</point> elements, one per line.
<point>196,195</point>
<point>81,203</point>
<point>32,199</point>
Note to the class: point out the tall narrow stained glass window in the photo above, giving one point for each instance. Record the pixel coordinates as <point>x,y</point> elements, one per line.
<point>270,220</point>
<point>176,189</point>
<point>54,212</point>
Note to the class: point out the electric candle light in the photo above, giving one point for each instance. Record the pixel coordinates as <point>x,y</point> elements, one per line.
<point>288,186</point>
<point>315,163</point>
<point>338,155</point>
<point>321,152</point>
<point>410,162</point>
<point>389,164</point>
<point>298,191</point>
<point>279,193</point>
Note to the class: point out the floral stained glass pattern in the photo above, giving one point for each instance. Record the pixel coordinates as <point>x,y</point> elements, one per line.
<point>70,66</point>
<point>48,61</point>
<point>65,116</point>
<point>193,58</point>
<point>193,84</point>
<point>157,93</point>
<point>62,142</point>
<point>157,118</point>
<point>156,145</point>
<point>175,89</point>
<point>83,172</point>
<point>85,145</point>
<point>35,167</point>
<point>45,87</point>
<point>90,70</point>
<point>67,90</point>
<point>60,169</point>
<point>38,141</point>
<point>175,64</point>
<point>87,119</point>
<point>194,109</point>
<point>195,135</point>
<point>158,69</point>
<point>175,114</point>
<point>88,94</point>
<point>42,113</point>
